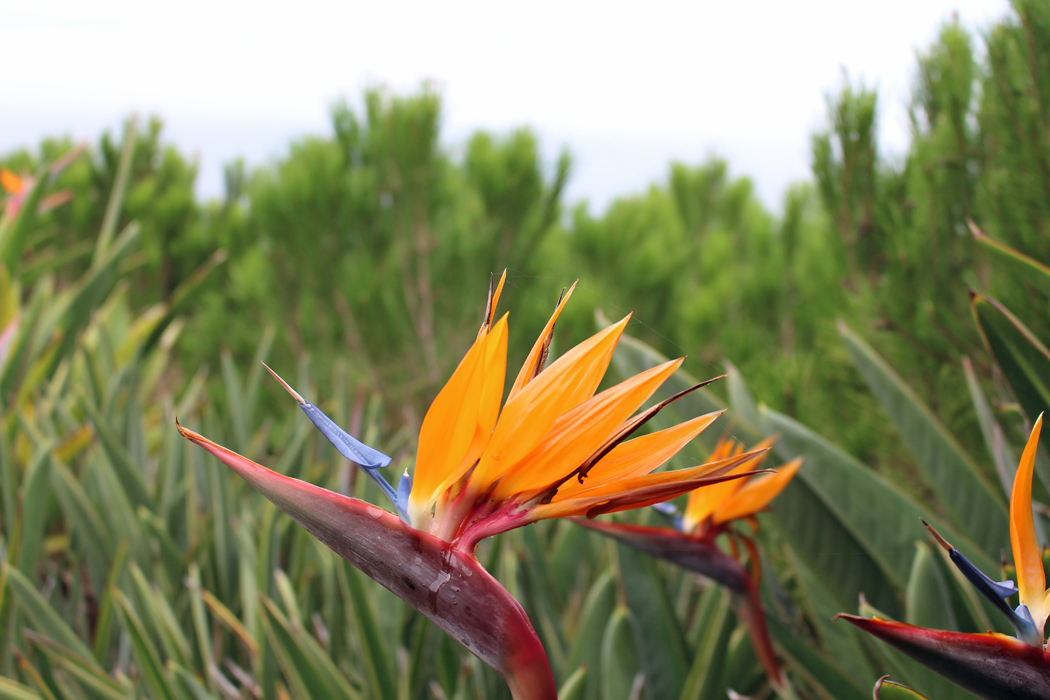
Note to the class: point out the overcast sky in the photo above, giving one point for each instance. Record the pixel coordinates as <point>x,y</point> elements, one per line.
<point>627,89</point>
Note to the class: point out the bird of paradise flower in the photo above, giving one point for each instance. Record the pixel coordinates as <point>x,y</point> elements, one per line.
<point>554,449</point>
<point>709,513</point>
<point>991,665</point>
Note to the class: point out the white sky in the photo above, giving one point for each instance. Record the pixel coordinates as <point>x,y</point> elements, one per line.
<point>626,86</point>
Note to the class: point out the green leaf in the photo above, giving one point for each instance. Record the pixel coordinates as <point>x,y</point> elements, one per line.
<point>597,609</point>
<point>826,679</point>
<point>157,612</point>
<point>20,351</point>
<point>847,522</point>
<point>998,449</point>
<point>129,474</point>
<point>741,401</point>
<point>971,504</point>
<point>86,523</point>
<point>309,670</point>
<point>116,196</point>
<point>378,665</point>
<point>91,291</point>
<point>843,644</point>
<point>149,663</point>
<point>46,619</point>
<point>661,647</point>
<point>928,600</point>
<point>202,632</point>
<point>34,507</point>
<point>705,680</point>
<point>888,690</point>
<point>1028,269</point>
<point>86,672</point>
<point>104,620</point>
<point>575,686</point>
<point>620,665</point>
<point>188,685</point>
<point>1023,359</point>
<point>10,690</point>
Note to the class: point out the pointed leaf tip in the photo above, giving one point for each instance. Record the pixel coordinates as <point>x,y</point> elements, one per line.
<point>991,666</point>
<point>289,389</point>
<point>886,689</point>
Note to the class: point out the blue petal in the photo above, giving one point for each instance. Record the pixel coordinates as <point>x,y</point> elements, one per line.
<point>404,490</point>
<point>997,593</point>
<point>669,511</point>
<point>1028,633</point>
<point>353,449</point>
<point>347,445</point>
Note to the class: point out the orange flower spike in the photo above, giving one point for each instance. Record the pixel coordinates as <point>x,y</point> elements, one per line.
<point>1031,579</point>
<point>456,428</point>
<point>580,432</point>
<point>639,456</point>
<point>448,427</point>
<point>703,502</point>
<point>639,491</point>
<point>538,355</point>
<point>528,417</point>
<point>11,182</point>
<point>756,494</point>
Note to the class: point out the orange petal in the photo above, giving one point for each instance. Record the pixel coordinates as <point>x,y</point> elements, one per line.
<point>527,418</point>
<point>704,502</point>
<point>576,435</point>
<point>490,307</point>
<point>612,488</point>
<point>449,425</point>
<point>756,493</point>
<point>640,456</point>
<point>528,370</point>
<point>640,491</point>
<point>495,299</point>
<point>1031,580</point>
<point>492,378</point>
<point>10,182</point>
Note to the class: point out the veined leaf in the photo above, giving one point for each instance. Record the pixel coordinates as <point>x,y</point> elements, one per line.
<point>1021,356</point>
<point>1027,268</point>
<point>704,681</point>
<point>741,401</point>
<point>661,648</point>
<point>575,686</point>
<point>150,665</point>
<point>10,690</point>
<point>34,507</point>
<point>311,672</point>
<point>928,602</point>
<point>847,522</point>
<point>620,666</point>
<point>888,690</point>
<point>116,196</point>
<point>827,680</point>
<point>597,609</point>
<point>970,502</point>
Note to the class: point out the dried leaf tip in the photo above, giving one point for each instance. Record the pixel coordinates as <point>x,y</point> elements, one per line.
<point>290,390</point>
<point>937,536</point>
